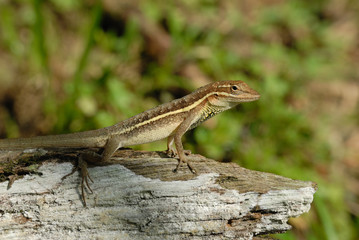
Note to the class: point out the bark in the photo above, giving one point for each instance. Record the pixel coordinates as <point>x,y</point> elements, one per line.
<point>139,197</point>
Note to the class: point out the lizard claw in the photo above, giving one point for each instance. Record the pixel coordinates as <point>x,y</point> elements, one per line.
<point>85,176</point>
<point>171,153</point>
<point>188,165</point>
<point>187,152</point>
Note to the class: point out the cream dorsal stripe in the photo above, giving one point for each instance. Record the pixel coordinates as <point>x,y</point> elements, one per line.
<point>181,110</point>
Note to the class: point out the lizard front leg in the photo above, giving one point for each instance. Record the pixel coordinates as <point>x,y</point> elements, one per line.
<point>180,131</point>
<point>171,151</point>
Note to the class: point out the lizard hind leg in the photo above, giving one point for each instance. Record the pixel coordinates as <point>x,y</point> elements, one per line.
<point>84,158</point>
<point>91,157</point>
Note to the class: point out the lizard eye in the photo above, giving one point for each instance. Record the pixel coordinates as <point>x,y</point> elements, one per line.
<point>234,88</point>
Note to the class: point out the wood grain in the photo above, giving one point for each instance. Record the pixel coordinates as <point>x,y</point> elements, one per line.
<point>139,197</point>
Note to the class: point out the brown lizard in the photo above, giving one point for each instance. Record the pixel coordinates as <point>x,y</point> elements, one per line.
<point>170,120</point>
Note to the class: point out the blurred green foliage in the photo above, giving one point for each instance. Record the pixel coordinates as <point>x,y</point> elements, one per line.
<point>287,47</point>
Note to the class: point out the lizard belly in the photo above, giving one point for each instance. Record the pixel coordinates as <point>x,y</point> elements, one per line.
<point>152,134</point>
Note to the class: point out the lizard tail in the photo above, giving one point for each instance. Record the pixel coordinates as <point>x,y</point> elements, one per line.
<point>71,140</point>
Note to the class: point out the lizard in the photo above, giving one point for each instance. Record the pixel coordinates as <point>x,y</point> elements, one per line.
<point>170,120</point>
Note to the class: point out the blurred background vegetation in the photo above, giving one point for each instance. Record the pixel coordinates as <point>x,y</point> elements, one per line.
<point>70,65</point>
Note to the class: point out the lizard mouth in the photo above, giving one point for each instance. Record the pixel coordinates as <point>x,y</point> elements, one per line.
<point>249,97</point>
<point>256,97</point>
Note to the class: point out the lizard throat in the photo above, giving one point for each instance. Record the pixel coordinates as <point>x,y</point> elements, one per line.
<point>207,113</point>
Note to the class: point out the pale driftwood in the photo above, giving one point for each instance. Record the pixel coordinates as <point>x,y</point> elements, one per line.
<point>140,198</point>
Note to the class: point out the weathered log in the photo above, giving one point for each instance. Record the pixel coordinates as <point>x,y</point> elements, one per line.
<point>139,197</point>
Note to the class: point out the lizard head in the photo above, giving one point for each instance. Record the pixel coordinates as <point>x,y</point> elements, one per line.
<point>228,94</point>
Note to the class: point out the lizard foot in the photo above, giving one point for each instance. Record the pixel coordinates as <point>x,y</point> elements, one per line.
<point>188,165</point>
<point>172,153</point>
<point>85,176</point>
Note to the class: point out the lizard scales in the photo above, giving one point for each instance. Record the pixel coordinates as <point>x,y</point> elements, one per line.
<point>167,116</point>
